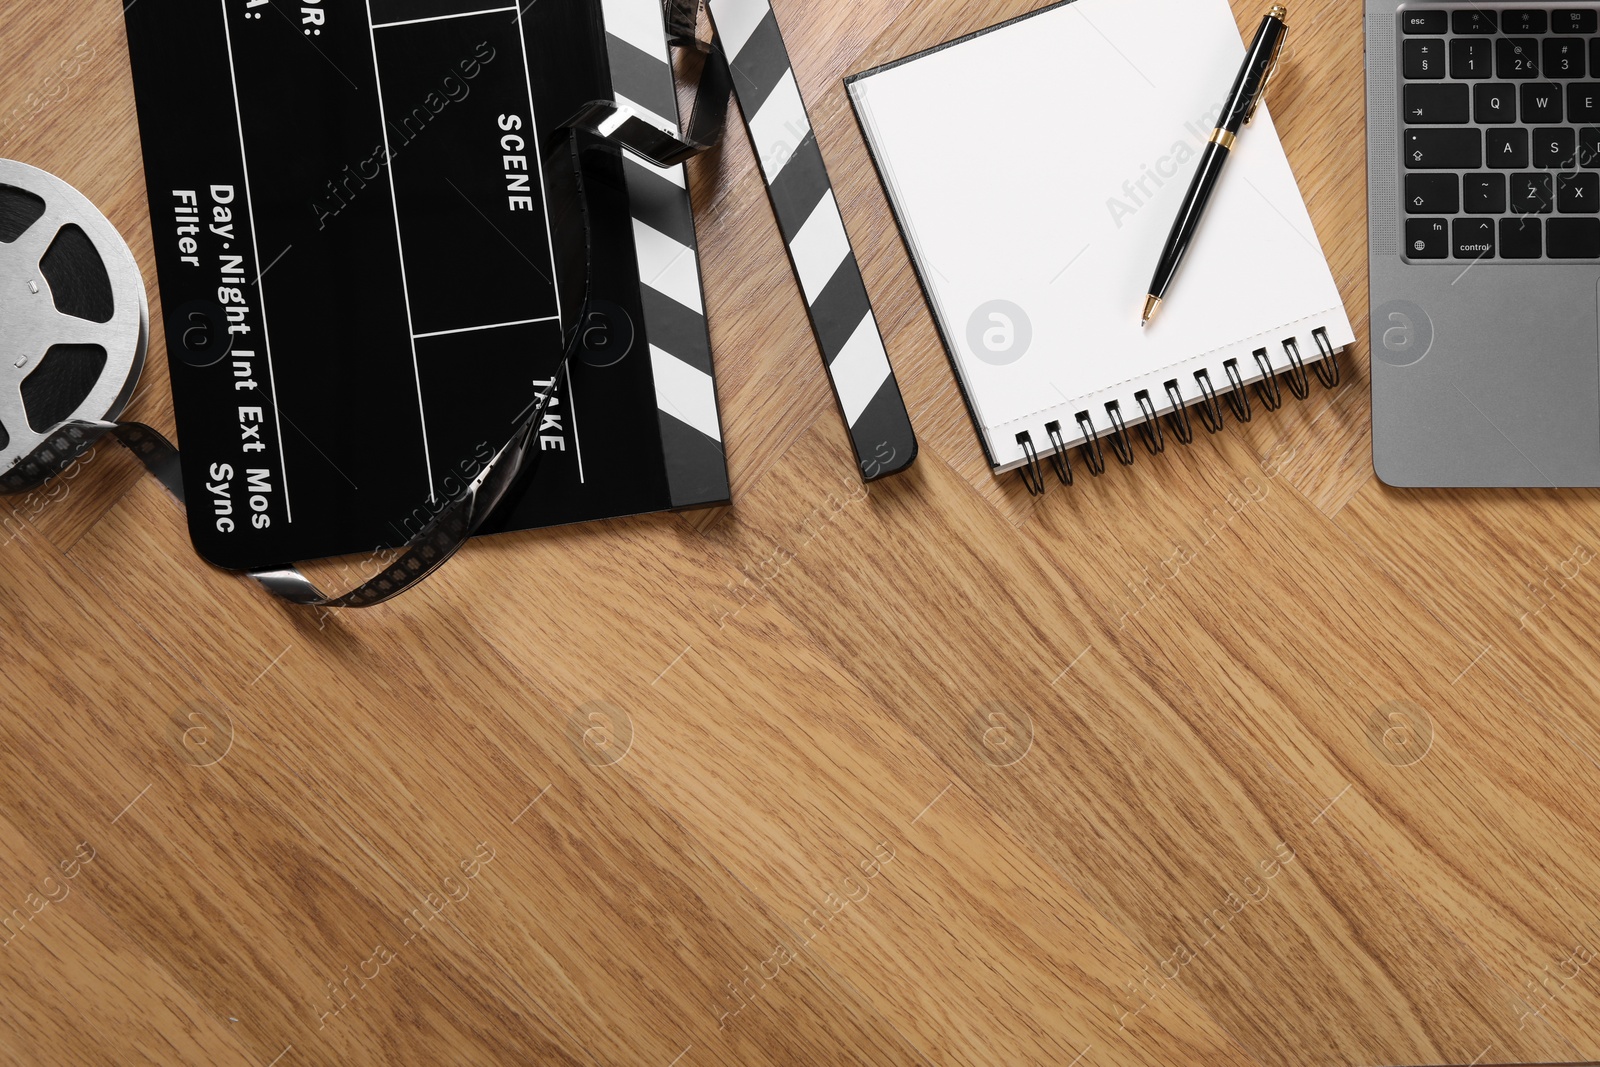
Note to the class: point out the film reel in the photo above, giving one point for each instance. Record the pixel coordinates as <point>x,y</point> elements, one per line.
<point>74,323</point>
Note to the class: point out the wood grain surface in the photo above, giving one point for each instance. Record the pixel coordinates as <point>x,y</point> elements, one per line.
<point>1238,757</point>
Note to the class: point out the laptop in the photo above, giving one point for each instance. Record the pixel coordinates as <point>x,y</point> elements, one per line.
<point>1483,155</point>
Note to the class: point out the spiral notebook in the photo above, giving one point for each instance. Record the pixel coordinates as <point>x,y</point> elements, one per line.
<point>1035,169</point>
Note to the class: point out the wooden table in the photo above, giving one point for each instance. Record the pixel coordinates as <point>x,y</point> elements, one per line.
<point>1238,757</point>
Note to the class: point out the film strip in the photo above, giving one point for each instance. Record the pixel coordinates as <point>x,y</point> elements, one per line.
<point>73,349</point>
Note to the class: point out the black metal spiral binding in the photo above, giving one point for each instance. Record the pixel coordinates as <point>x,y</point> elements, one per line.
<point>1060,460</point>
<point>1238,399</point>
<point>1328,365</point>
<point>1210,410</point>
<point>1119,435</point>
<point>1178,418</point>
<point>1154,441</point>
<point>1209,405</point>
<point>1299,384</point>
<point>1032,473</point>
<point>1092,456</point>
<point>1267,388</point>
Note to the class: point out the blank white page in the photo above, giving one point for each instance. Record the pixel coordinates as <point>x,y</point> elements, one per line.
<point>1042,163</point>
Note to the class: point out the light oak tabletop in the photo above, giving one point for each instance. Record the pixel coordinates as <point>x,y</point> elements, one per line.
<point>1235,757</point>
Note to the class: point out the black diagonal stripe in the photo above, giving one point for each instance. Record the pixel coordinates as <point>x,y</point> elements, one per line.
<point>658,203</point>
<point>799,188</point>
<point>883,438</point>
<point>760,65</point>
<point>697,470</point>
<point>675,329</point>
<point>642,78</point>
<point>840,309</point>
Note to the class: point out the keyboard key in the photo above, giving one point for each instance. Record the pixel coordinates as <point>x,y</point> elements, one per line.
<point>1573,238</point>
<point>1523,21</point>
<point>1432,22</point>
<point>1474,238</point>
<point>1508,149</point>
<point>1437,194</point>
<point>1494,102</point>
<point>1572,21</point>
<point>1583,102</point>
<point>1445,149</point>
<point>1553,148</point>
<point>1427,238</point>
<point>1439,105</point>
<point>1531,194</point>
<point>1578,194</point>
<point>1541,102</point>
<point>1475,22</point>
<point>1515,57</point>
<point>1564,58</point>
<point>1589,147</point>
<point>1471,57</point>
<point>1521,238</point>
<point>1425,59</point>
<point>1484,194</point>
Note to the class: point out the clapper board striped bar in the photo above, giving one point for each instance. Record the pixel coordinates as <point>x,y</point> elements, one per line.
<point>669,262</point>
<point>813,231</point>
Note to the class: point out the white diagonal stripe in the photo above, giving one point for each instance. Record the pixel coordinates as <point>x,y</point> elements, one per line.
<point>736,20</point>
<point>639,23</point>
<point>819,247</point>
<point>686,393</point>
<point>860,369</point>
<point>779,127</point>
<point>668,267</point>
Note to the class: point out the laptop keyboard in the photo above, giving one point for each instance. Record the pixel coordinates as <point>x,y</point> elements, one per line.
<point>1501,142</point>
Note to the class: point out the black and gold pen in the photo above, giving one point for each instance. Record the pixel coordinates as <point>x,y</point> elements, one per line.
<point>1248,91</point>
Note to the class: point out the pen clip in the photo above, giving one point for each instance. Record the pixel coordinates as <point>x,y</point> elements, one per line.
<point>1266,83</point>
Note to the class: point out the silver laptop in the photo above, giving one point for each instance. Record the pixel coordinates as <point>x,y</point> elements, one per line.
<point>1483,155</point>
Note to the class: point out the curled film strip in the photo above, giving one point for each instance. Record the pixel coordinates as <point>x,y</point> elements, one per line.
<point>74,330</point>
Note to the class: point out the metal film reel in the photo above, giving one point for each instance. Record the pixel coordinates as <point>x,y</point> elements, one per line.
<point>74,318</point>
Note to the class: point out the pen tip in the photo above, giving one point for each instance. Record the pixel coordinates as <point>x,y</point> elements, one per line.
<point>1151,305</point>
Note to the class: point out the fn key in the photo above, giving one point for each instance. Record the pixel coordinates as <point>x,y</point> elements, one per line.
<point>1429,238</point>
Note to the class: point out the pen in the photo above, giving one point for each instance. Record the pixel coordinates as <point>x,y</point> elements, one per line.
<point>1248,90</point>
